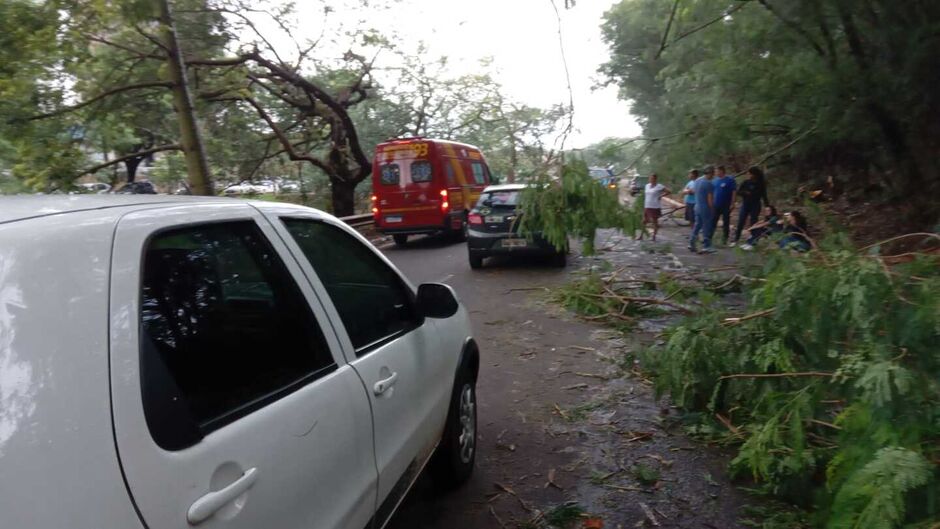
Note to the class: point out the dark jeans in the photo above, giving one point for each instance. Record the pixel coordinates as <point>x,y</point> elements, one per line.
<point>748,210</point>
<point>690,212</point>
<point>723,213</point>
<point>758,233</point>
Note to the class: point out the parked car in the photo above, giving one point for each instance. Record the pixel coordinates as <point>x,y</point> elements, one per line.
<point>176,361</point>
<point>288,186</point>
<point>494,228</point>
<point>422,185</point>
<point>243,188</point>
<point>140,187</point>
<point>94,187</point>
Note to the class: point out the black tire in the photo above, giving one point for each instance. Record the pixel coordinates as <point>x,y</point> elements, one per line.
<point>401,239</point>
<point>559,259</point>
<point>453,462</point>
<point>476,261</point>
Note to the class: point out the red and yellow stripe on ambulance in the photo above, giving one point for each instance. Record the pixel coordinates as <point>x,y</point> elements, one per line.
<point>467,194</point>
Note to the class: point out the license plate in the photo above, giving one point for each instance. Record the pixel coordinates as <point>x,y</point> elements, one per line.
<point>493,219</point>
<point>393,218</point>
<point>514,243</point>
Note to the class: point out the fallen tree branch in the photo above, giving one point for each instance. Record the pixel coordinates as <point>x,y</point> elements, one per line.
<point>779,375</point>
<point>761,314</point>
<point>899,237</point>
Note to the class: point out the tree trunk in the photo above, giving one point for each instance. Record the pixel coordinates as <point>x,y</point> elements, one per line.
<point>194,153</point>
<point>344,198</point>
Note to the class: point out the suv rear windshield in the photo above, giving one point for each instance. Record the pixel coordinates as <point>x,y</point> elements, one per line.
<point>404,172</point>
<point>499,199</point>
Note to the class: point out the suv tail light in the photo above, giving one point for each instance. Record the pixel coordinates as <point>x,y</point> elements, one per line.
<point>475,219</point>
<point>375,207</point>
<point>445,205</point>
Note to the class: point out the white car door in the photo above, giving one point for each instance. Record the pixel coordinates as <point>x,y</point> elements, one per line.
<point>233,404</point>
<point>395,352</point>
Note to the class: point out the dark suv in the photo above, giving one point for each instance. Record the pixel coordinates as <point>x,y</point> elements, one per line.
<point>493,228</point>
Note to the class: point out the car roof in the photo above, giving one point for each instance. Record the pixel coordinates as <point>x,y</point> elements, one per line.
<point>22,207</point>
<point>505,187</point>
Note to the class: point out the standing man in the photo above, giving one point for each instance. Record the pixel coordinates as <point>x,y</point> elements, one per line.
<point>689,192</point>
<point>752,191</point>
<point>704,211</point>
<point>725,188</point>
<point>652,204</point>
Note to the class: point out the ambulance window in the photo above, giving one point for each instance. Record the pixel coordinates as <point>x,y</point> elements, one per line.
<point>390,174</point>
<point>421,171</point>
<point>479,173</point>
<point>451,176</point>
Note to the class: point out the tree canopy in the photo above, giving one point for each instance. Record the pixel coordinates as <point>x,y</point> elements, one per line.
<point>812,87</point>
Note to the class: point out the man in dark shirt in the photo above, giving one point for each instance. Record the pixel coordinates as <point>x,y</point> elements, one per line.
<point>751,192</point>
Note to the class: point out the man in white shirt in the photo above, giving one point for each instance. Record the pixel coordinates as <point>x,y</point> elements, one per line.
<point>652,204</point>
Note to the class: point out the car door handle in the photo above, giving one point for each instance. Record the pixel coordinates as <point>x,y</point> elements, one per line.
<point>383,385</point>
<point>207,505</point>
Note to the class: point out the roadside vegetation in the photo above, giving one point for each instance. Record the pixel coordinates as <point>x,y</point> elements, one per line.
<point>822,371</point>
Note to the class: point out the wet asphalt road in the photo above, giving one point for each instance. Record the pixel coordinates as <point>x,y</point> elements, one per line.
<point>553,410</point>
<point>495,311</point>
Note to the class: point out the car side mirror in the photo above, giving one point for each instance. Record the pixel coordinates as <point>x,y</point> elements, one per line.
<point>436,300</point>
<point>488,203</point>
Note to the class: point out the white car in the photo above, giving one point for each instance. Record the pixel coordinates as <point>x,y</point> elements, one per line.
<point>245,188</point>
<point>171,362</point>
<point>95,187</point>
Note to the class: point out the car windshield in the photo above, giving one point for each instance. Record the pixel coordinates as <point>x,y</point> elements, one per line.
<point>500,198</point>
<point>599,173</point>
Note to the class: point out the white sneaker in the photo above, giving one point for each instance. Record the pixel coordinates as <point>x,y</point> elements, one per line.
<point>732,244</point>
<point>747,247</point>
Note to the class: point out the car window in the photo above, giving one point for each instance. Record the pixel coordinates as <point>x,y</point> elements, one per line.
<point>499,198</point>
<point>421,171</point>
<point>224,325</point>
<point>390,174</point>
<point>479,172</point>
<point>371,299</point>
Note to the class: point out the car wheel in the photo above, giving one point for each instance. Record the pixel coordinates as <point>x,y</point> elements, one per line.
<point>476,261</point>
<point>560,259</point>
<point>400,238</point>
<point>454,460</point>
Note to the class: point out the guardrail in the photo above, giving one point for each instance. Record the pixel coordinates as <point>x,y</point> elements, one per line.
<point>358,221</point>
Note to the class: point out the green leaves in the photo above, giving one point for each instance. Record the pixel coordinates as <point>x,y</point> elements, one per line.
<point>873,497</point>
<point>874,425</point>
<point>575,205</point>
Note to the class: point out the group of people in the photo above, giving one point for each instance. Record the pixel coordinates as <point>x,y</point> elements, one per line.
<point>710,196</point>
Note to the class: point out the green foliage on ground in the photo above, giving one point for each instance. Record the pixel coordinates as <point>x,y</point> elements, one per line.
<point>574,205</point>
<point>830,389</point>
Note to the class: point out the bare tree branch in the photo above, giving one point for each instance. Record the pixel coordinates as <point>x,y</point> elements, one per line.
<point>794,26</point>
<point>138,154</point>
<point>99,97</point>
<point>124,47</point>
<point>672,16</point>
<point>720,17</point>
<point>284,140</point>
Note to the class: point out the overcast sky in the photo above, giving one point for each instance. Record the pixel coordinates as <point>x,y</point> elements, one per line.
<point>521,37</point>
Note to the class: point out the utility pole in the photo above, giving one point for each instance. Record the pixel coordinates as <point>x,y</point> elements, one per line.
<point>197,165</point>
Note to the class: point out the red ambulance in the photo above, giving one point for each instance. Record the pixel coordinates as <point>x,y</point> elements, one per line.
<point>422,185</point>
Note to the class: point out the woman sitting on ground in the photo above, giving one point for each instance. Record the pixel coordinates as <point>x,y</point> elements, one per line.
<point>796,233</point>
<point>770,224</point>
